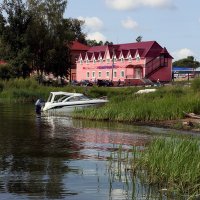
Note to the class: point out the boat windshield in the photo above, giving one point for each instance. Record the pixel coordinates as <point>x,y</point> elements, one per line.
<point>78,98</point>
<point>50,97</point>
<point>64,98</point>
<point>60,98</point>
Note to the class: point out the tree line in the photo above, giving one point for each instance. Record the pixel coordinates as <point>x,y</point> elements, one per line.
<point>187,62</point>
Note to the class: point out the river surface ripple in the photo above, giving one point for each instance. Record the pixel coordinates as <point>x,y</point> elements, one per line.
<point>51,157</point>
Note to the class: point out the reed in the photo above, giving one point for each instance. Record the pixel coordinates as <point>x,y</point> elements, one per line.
<point>173,162</point>
<point>165,104</point>
<point>28,90</point>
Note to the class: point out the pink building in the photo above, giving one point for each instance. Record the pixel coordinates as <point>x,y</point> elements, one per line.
<point>75,49</point>
<point>132,63</point>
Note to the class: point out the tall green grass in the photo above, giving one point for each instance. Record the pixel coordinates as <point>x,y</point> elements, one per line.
<point>173,162</point>
<point>167,103</point>
<point>28,90</point>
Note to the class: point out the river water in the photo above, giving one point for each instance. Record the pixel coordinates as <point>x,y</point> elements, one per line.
<point>52,157</point>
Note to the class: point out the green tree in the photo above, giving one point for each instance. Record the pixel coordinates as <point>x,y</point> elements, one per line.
<point>73,28</point>
<point>5,72</point>
<point>108,43</point>
<point>92,43</point>
<point>35,36</point>
<point>13,26</point>
<point>187,62</point>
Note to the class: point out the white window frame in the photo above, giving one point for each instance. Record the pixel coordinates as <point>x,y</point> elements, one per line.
<point>122,74</point>
<point>88,74</point>
<point>93,74</point>
<point>137,57</point>
<point>99,74</point>
<point>130,58</point>
<point>115,74</point>
<point>107,74</point>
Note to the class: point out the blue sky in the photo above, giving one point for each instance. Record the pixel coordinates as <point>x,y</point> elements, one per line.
<point>174,24</point>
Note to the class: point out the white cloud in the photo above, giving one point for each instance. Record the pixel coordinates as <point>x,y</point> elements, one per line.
<point>129,24</point>
<point>134,4</point>
<point>92,23</point>
<point>96,36</point>
<point>182,53</point>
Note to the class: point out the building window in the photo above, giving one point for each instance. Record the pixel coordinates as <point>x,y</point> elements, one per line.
<point>93,74</point>
<point>122,74</point>
<point>108,60</point>
<point>88,74</point>
<point>107,74</point>
<point>99,74</point>
<point>87,61</point>
<point>81,61</point>
<point>94,61</point>
<point>129,58</point>
<point>115,59</point>
<point>115,74</point>
<point>122,60</point>
<point>137,57</point>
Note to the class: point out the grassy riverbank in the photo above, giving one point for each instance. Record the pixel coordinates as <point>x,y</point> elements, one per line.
<point>167,103</point>
<point>171,162</point>
<point>27,90</point>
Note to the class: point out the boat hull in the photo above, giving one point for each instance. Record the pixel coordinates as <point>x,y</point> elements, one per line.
<point>68,109</point>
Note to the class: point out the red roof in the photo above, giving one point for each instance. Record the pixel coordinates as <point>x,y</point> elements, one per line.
<point>79,46</point>
<point>166,53</point>
<point>145,49</point>
<point>2,62</point>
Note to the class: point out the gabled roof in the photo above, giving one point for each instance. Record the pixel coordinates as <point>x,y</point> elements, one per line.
<point>82,55</point>
<point>124,53</point>
<point>145,49</point>
<point>101,55</point>
<point>166,53</point>
<point>97,48</point>
<point>89,55</point>
<point>95,55</point>
<point>132,52</point>
<point>75,45</point>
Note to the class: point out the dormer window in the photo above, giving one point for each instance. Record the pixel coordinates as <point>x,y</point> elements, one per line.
<point>81,61</point>
<point>94,61</point>
<point>100,59</point>
<point>115,59</point>
<point>108,60</point>
<point>122,59</point>
<point>129,58</point>
<point>137,57</point>
<point>87,61</point>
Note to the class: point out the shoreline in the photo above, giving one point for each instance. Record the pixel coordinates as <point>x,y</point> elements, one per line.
<point>185,124</point>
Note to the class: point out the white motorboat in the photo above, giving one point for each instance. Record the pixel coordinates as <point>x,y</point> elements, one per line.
<point>66,101</point>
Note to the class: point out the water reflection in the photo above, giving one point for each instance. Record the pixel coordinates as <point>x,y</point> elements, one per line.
<point>51,157</point>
